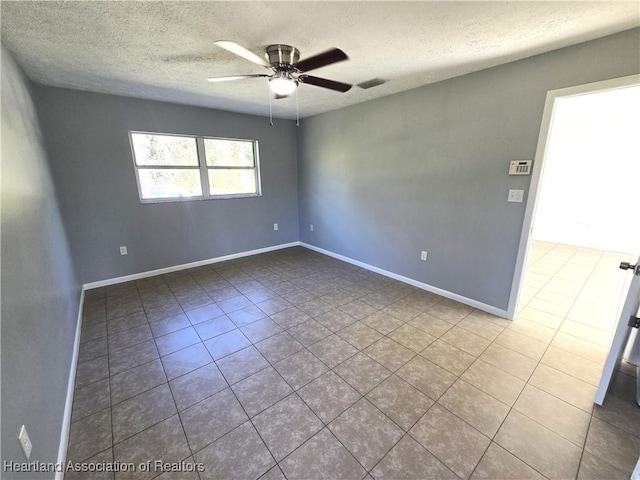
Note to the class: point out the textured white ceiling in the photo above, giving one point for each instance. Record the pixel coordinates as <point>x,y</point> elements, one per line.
<point>165,50</point>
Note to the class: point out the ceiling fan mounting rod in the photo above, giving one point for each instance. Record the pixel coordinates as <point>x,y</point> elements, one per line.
<point>280,55</point>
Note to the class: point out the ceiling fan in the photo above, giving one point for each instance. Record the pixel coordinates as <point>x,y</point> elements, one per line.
<point>287,71</point>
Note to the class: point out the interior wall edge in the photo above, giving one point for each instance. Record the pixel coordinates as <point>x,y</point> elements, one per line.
<point>410,281</point>
<point>68,408</point>
<point>174,268</point>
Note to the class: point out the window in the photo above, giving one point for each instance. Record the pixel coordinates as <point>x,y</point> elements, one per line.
<point>180,167</point>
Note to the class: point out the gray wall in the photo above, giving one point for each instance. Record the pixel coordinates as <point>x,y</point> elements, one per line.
<point>40,293</point>
<point>427,169</point>
<point>87,140</point>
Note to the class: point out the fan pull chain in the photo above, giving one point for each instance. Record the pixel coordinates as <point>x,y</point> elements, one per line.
<point>270,110</point>
<point>297,110</point>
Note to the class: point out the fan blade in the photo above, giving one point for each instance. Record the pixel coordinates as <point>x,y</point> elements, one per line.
<point>239,50</point>
<point>324,83</point>
<point>327,58</point>
<point>236,77</point>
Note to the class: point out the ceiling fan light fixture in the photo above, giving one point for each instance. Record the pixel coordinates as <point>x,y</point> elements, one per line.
<point>282,84</point>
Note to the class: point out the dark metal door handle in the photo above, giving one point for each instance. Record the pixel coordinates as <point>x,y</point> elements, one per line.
<point>627,266</point>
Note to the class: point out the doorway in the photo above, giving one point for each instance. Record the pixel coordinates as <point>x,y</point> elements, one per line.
<point>579,223</point>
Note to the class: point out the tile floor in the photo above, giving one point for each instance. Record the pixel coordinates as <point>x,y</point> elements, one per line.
<point>293,365</point>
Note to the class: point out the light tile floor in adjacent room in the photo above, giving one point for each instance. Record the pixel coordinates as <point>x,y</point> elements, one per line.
<point>292,364</point>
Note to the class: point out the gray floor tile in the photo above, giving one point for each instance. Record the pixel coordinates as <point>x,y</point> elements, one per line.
<point>389,354</point>
<point>164,311</point>
<point>448,357</point>
<point>322,457</point>
<point>203,422</point>
<point>614,446</point>
<point>165,442</point>
<point>452,441</point>
<point>197,385</point>
<point>241,453</point>
<point>139,379</point>
<point>300,368</point>
<point>412,337</point>
<point>382,322</point>
<point>562,418</point>
<point>127,338</point>
<point>261,330</point>
<point>593,468</point>
<point>90,399</point>
<point>478,409</point>
<point>278,347</point>
<point>216,326</point>
<point>466,341</point>
<point>362,373</point>
<point>576,392</point>
<point>329,396</point>
<point>548,420</point>
<point>142,411</point>
<point>204,312</point>
<point>286,425</point>
<point>522,344</point>
<point>89,436</point>
<point>309,332</point>
<point>93,349</point>
<point>246,315</point>
<point>434,326</point>
<point>401,402</point>
<point>408,459</point>
<point>578,367</point>
<point>177,340</point>
<point>366,432</point>
<point>169,324</point>
<point>127,358</point>
<point>494,381</point>
<point>226,344</point>
<point>622,413</point>
<point>333,350</point>
<point>185,360</point>
<point>105,456</point>
<point>290,317</point>
<point>497,462</point>
<point>539,447</point>
<point>359,335</point>
<point>509,361</point>
<point>261,390</point>
<point>335,320</point>
<point>427,377</point>
<point>92,371</point>
<point>241,364</point>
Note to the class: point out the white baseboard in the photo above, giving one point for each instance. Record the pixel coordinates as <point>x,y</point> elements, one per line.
<point>184,266</point>
<point>66,419</point>
<point>453,296</point>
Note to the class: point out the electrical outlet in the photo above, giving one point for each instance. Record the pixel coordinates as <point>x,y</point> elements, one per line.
<point>423,256</point>
<point>275,226</point>
<point>25,442</point>
<point>123,250</point>
<point>311,227</point>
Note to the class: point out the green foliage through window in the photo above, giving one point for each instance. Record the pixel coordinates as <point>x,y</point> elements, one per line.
<point>180,167</point>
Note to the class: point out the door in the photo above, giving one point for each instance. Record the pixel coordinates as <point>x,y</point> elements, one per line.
<point>622,332</point>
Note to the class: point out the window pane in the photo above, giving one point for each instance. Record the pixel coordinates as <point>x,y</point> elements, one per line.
<point>169,183</point>
<point>163,150</point>
<point>228,153</point>
<point>232,182</point>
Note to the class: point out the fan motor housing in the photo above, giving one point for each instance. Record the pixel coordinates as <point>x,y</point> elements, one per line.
<point>282,54</point>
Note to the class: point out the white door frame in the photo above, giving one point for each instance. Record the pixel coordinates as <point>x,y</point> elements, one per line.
<point>538,171</point>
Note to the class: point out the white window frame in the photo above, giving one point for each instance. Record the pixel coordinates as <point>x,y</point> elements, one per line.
<point>202,167</point>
